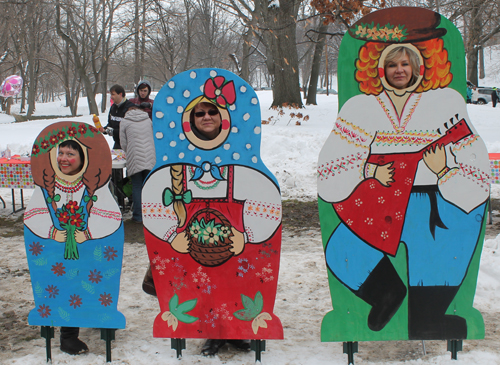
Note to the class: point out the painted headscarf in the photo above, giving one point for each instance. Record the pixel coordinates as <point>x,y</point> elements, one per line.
<point>238,143</point>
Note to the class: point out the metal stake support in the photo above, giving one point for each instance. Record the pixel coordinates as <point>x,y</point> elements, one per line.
<point>258,346</point>
<point>178,344</point>
<point>350,348</point>
<point>108,335</point>
<point>454,346</point>
<point>47,332</point>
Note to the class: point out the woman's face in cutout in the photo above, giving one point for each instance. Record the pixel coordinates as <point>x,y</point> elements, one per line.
<point>398,72</point>
<point>207,120</point>
<point>69,161</point>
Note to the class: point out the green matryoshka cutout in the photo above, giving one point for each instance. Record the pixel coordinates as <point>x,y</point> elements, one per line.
<point>403,185</point>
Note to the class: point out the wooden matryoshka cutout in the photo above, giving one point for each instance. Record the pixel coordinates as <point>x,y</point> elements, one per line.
<point>73,230</point>
<point>212,214</point>
<point>403,184</point>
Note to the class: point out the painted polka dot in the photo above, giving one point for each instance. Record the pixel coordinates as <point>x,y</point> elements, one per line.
<point>213,73</point>
<point>225,124</point>
<point>171,84</point>
<point>192,74</point>
<point>234,130</point>
<point>180,109</point>
<point>159,135</point>
<point>165,158</point>
<point>173,143</point>
<point>201,88</point>
<point>170,100</point>
<point>191,147</point>
<point>254,159</point>
<point>236,156</point>
<point>186,126</point>
<point>254,101</point>
<point>217,160</point>
<point>159,115</point>
<point>232,107</point>
<point>256,130</point>
<point>186,93</point>
<point>182,137</point>
<point>248,146</point>
<point>246,116</point>
<point>227,146</point>
<point>197,159</point>
<point>243,89</point>
<point>181,155</point>
<point>172,124</point>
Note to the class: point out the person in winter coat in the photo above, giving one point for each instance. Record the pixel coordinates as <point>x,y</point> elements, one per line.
<point>136,137</point>
<point>494,98</point>
<point>143,90</point>
<point>116,113</point>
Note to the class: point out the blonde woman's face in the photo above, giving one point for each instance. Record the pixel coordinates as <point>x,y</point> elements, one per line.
<point>398,72</point>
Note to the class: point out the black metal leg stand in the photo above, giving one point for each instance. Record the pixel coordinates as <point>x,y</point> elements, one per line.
<point>454,346</point>
<point>108,335</point>
<point>258,346</point>
<point>47,332</point>
<point>350,348</point>
<point>178,344</point>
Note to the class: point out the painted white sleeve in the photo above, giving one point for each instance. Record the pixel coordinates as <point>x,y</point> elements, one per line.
<point>160,220</point>
<point>262,208</point>
<point>466,184</point>
<point>105,216</point>
<point>37,217</point>
<point>342,160</point>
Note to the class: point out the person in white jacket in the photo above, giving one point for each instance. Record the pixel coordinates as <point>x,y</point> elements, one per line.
<point>136,136</point>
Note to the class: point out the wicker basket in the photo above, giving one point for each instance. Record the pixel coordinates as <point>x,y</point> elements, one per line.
<point>210,254</point>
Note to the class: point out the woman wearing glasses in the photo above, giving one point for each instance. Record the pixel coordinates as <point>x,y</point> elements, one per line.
<point>212,213</point>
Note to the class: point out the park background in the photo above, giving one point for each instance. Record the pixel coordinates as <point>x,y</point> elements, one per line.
<point>68,52</point>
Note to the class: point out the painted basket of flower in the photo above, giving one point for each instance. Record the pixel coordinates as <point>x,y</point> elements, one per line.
<point>209,235</point>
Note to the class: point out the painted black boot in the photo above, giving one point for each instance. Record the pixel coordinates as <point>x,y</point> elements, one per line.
<point>426,314</point>
<point>384,290</point>
<point>70,343</point>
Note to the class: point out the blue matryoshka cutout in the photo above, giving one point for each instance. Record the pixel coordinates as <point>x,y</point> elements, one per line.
<point>212,214</point>
<point>73,233</point>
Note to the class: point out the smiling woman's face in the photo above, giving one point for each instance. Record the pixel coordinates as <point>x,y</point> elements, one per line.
<point>207,119</point>
<point>398,72</point>
<point>69,160</point>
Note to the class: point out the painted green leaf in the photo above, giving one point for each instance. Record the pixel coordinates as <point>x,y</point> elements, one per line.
<point>40,261</point>
<point>98,253</point>
<point>173,303</point>
<point>88,287</point>
<point>179,310</point>
<point>64,315</point>
<point>252,307</point>
<point>111,272</point>
<point>72,273</point>
<point>38,290</point>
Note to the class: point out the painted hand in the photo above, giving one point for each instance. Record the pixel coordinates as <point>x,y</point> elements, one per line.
<point>60,236</point>
<point>181,243</point>
<point>435,159</point>
<point>384,174</point>
<point>238,242</point>
<point>80,236</point>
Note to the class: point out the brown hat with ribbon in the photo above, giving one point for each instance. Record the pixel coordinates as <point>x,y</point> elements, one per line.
<point>398,25</point>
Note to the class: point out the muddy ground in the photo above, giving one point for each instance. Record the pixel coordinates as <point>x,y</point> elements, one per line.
<point>300,230</point>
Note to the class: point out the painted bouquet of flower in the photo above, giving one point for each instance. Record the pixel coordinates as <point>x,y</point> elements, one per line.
<point>209,234</point>
<point>71,218</point>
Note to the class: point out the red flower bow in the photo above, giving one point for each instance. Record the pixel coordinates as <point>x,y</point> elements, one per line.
<point>220,91</point>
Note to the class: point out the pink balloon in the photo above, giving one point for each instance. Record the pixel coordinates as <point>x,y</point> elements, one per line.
<point>11,86</point>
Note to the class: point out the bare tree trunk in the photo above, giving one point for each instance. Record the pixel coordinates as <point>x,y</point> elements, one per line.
<point>316,64</point>
<point>30,15</point>
<point>87,84</point>
<point>472,45</point>
<point>283,46</point>
<point>137,75</point>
